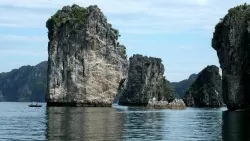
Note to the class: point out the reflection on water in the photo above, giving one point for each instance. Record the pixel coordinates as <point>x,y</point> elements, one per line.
<point>128,123</point>
<point>70,123</point>
<point>20,122</point>
<point>236,126</point>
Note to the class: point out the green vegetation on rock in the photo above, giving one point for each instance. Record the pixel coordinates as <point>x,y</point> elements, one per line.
<point>239,8</point>
<point>73,15</point>
<point>235,15</point>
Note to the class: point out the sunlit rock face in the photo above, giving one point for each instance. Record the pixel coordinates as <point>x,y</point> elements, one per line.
<point>86,62</point>
<point>145,81</point>
<point>206,89</point>
<point>231,40</point>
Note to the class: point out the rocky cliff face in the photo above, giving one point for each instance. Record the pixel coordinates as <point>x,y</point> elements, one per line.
<point>86,62</point>
<point>231,40</point>
<point>206,89</point>
<point>145,81</point>
<point>28,83</point>
<point>182,86</point>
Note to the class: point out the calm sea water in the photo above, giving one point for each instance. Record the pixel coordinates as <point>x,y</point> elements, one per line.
<point>20,122</point>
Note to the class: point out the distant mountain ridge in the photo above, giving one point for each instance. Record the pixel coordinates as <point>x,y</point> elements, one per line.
<point>28,83</point>
<point>182,86</point>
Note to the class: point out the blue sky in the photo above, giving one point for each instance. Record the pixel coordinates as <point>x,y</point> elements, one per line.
<point>178,31</point>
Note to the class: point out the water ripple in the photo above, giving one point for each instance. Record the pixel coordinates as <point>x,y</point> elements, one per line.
<point>19,122</point>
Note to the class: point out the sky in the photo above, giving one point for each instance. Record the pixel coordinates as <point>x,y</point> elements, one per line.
<point>178,31</point>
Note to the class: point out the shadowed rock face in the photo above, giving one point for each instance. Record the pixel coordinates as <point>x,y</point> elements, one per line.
<point>86,62</point>
<point>206,89</point>
<point>145,81</point>
<point>231,40</point>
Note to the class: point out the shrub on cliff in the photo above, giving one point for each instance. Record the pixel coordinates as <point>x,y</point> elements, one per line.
<point>74,14</point>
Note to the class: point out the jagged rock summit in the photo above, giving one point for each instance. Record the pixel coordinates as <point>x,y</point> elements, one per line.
<point>231,40</point>
<point>86,62</point>
<point>206,89</point>
<point>145,81</point>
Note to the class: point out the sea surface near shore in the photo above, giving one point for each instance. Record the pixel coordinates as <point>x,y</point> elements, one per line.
<point>20,122</point>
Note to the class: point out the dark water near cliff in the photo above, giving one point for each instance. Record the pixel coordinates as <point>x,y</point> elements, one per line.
<point>19,122</point>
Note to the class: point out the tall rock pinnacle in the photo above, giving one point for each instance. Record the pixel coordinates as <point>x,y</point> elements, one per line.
<point>86,62</point>
<point>231,40</point>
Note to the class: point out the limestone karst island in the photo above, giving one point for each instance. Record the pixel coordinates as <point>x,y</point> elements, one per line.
<point>86,62</point>
<point>94,86</point>
<point>87,66</point>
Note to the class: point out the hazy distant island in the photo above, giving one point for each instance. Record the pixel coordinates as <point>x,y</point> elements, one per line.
<point>182,86</point>
<point>28,83</point>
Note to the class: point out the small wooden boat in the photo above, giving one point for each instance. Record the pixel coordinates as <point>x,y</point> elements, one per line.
<point>35,105</point>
